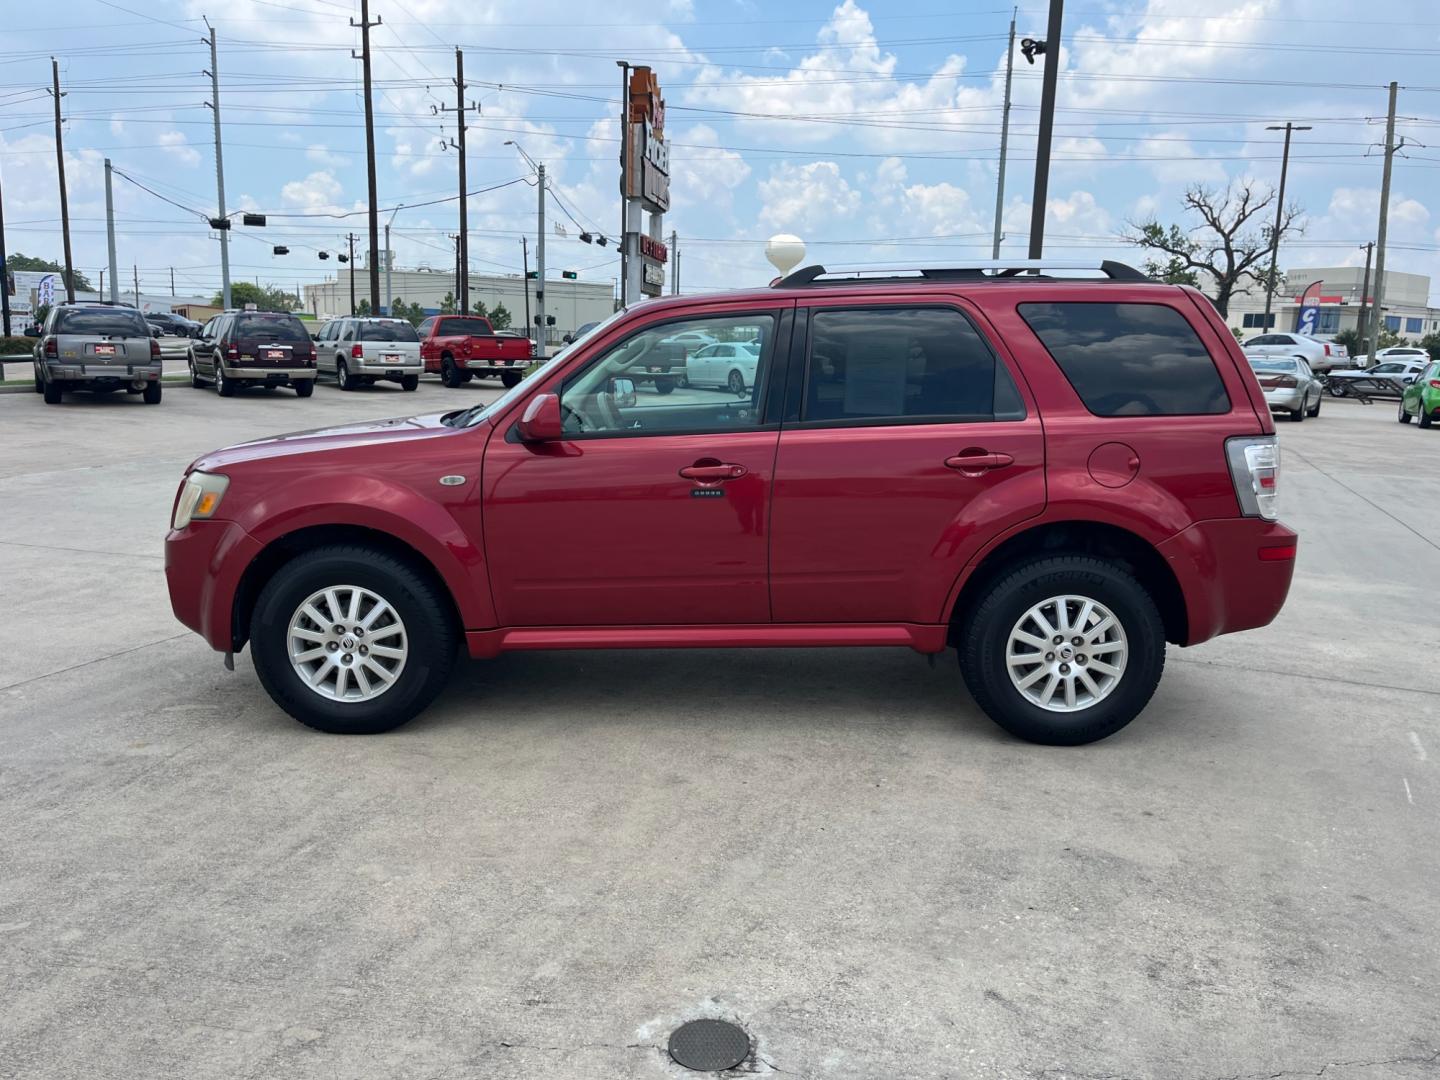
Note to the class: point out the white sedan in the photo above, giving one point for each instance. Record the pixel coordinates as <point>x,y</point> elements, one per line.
<point>728,364</point>
<point>1318,354</point>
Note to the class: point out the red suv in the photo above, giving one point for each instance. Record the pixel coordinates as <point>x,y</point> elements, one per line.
<point>1055,476</point>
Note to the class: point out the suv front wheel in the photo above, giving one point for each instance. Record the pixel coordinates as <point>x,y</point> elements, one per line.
<point>352,641</point>
<point>1063,650</point>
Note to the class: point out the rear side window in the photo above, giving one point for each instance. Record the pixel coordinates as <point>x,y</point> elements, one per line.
<point>271,328</point>
<point>1130,359</point>
<point>463,328</point>
<point>396,331</point>
<point>899,365</point>
<point>101,323</point>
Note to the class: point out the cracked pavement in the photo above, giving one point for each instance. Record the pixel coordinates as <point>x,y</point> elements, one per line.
<point>572,853</point>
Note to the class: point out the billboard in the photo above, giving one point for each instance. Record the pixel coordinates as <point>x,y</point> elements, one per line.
<point>647,172</point>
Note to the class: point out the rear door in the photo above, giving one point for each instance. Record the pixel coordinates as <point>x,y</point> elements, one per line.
<point>269,340</point>
<point>906,445</point>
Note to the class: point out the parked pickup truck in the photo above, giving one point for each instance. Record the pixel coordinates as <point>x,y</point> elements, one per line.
<point>459,347</point>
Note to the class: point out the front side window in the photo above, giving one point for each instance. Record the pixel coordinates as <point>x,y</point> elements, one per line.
<point>1130,359</point>
<point>630,388</point>
<point>902,364</point>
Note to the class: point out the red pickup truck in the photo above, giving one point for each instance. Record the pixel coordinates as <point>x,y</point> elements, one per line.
<point>459,347</point>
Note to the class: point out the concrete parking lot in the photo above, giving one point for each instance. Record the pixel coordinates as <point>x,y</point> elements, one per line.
<point>572,852</point>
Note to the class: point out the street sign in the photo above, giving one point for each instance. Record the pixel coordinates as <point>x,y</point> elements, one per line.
<point>653,281</point>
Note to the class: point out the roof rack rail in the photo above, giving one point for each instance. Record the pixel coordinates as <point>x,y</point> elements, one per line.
<point>985,270</point>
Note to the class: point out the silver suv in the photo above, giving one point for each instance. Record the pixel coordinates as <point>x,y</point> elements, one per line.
<point>360,351</point>
<point>96,346</point>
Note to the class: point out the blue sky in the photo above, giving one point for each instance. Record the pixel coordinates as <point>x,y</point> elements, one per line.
<point>869,129</point>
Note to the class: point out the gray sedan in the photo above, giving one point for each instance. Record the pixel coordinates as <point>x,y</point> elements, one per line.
<point>1289,384</point>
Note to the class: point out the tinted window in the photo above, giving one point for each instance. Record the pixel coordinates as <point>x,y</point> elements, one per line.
<point>903,363</point>
<point>270,328</point>
<point>388,331</point>
<point>101,322</point>
<point>463,327</point>
<point>426,326</point>
<point>1130,359</point>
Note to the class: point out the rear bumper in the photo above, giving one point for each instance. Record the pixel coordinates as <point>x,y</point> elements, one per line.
<point>293,374</point>
<point>204,564</point>
<point>70,371</point>
<point>1228,584</point>
<point>1284,399</point>
<point>373,369</point>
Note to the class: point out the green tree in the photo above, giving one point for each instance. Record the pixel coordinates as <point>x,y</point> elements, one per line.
<point>1229,246</point>
<point>447,304</point>
<point>363,308</point>
<point>479,309</point>
<point>18,261</point>
<point>1431,344</point>
<point>266,298</point>
<point>413,312</point>
<point>500,317</point>
<point>40,313</point>
<point>1172,271</point>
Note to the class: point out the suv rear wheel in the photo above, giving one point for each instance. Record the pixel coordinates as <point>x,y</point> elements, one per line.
<point>352,641</point>
<point>1063,650</point>
<point>224,385</point>
<point>342,376</point>
<point>52,392</point>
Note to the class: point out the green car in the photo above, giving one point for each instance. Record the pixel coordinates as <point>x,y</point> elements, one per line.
<point>1422,397</point>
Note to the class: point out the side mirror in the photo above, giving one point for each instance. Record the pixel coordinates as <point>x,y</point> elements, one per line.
<point>32,330</point>
<point>541,422</point>
<point>623,391</point>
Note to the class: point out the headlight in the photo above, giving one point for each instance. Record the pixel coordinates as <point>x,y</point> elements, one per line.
<point>200,497</point>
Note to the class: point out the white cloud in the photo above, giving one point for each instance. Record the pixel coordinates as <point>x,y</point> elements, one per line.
<point>806,196</point>
<point>323,155</point>
<point>317,191</point>
<point>117,125</point>
<point>177,145</point>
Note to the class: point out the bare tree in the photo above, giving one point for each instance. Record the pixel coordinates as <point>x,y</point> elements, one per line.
<point>1230,245</point>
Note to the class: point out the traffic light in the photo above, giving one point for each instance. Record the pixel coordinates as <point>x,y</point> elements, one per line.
<point>532,274</point>
<point>549,320</point>
<point>324,254</point>
<point>253,219</point>
<point>570,275</point>
<point>280,249</point>
<point>220,223</point>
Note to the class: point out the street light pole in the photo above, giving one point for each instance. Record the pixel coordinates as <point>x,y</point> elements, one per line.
<point>110,238</point>
<point>1279,217</point>
<point>1047,126</point>
<point>1004,140</point>
<point>214,104</point>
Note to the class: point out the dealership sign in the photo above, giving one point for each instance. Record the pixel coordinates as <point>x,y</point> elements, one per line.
<point>647,166</point>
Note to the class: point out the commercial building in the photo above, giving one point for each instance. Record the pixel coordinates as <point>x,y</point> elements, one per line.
<point>571,303</point>
<point>1406,300</point>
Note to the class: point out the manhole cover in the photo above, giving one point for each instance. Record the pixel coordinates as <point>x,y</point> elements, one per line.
<point>709,1045</point>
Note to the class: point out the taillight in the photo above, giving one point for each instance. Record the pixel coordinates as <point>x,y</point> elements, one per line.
<point>1255,470</point>
<point>154,349</point>
<point>356,352</point>
<point>1283,381</point>
<point>51,347</point>
<point>1327,349</point>
<point>232,352</point>
<point>1435,383</point>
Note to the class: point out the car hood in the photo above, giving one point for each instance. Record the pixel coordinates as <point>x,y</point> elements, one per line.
<point>317,440</point>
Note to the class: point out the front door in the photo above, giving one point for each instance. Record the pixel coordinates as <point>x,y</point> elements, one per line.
<point>909,447</point>
<point>655,508</point>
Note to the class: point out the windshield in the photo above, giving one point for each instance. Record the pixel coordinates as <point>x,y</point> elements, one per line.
<point>1261,364</point>
<point>271,328</point>
<point>473,416</point>
<point>388,331</point>
<point>102,323</point>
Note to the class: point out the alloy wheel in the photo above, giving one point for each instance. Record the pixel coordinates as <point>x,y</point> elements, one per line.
<point>1066,653</point>
<point>347,643</point>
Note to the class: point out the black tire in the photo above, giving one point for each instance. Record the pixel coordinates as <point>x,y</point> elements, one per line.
<point>429,625</point>
<point>664,385</point>
<point>1404,416</point>
<point>735,383</point>
<point>152,392</point>
<point>224,385</point>
<point>409,382</point>
<point>195,380</point>
<point>510,378</point>
<point>1320,397</point>
<point>304,387</point>
<point>39,384</point>
<point>1424,417</point>
<point>342,376</point>
<point>450,375</point>
<point>1298,415</point>
<point>52,393</point>
<point>985,634</point>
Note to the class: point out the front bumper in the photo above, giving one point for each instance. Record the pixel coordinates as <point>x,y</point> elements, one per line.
<point>75,371</point>
<point>1229,575</point>
<point>204,565</point>
<point>277,374</point>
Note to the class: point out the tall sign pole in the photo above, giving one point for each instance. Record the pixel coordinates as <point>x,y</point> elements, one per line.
<point>1047,126</point>
<point>214,104</point>
<point>365,24</point>
<point>110,238</point>
<point>646,186</point>
<point>64,198</point>
<point>1004,140</point>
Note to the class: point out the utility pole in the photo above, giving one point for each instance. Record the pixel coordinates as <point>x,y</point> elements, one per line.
<point>1047,126</point>
<point>364,25</point>
<point>1004,139</point>
<point>674,263</point>
<point>624,66</point>
<point>540,339</point>
<point>455,269</point>
<point>1377,314</point>
<point>1364,294</point>
<point>4,275</point>
<point>462,296</point>
<point>389,261</point>
<point>351,260</point>
<point>1279,217</point>
<point>214,104</point>
<point>64,199</point>
<point>136,271</point>
<point>525,278</point>
<point>172,281</point>
<point>110,240</point>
